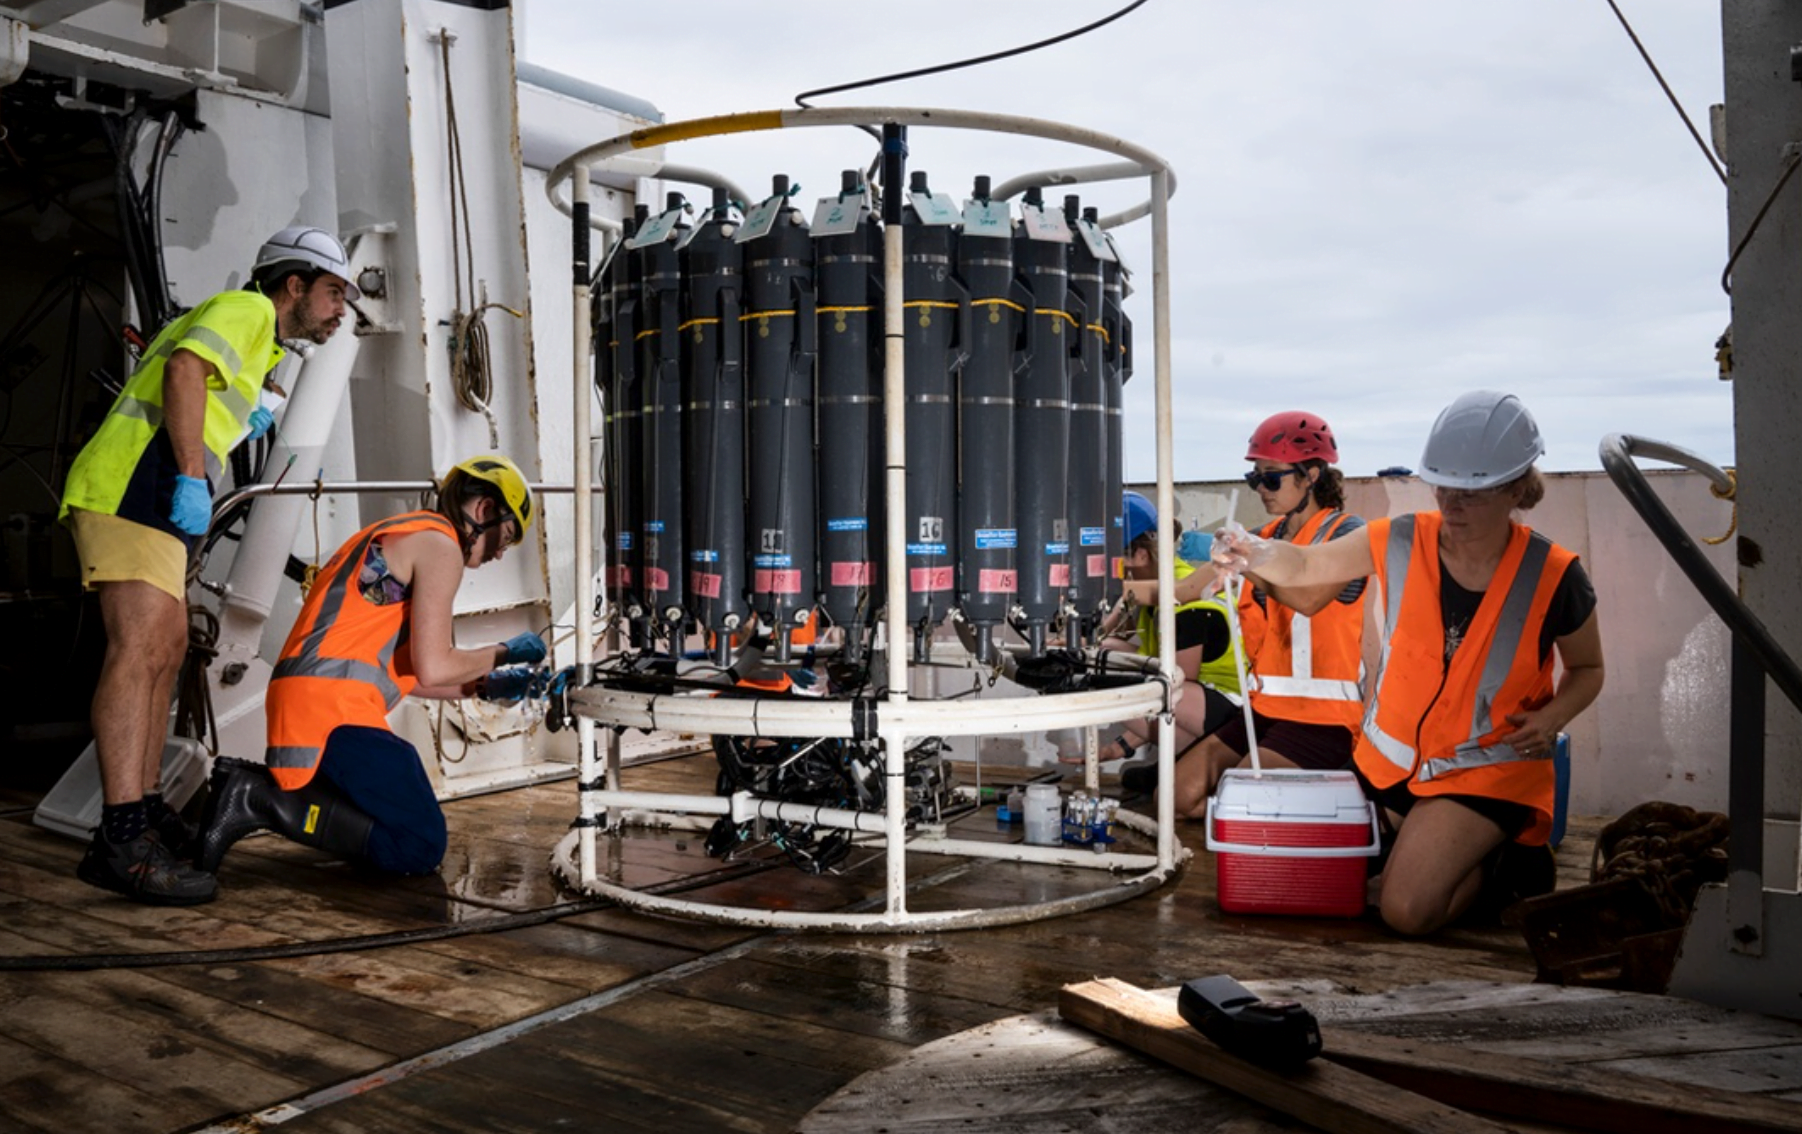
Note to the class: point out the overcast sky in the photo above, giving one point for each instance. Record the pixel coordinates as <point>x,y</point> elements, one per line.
<point>1379,204</point>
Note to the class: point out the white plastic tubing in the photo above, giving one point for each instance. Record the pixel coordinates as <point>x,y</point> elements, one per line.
<point>900,719</point>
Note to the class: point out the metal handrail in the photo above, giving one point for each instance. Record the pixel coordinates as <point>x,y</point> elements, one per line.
<point>353,488</point>
<point>1617,452</point>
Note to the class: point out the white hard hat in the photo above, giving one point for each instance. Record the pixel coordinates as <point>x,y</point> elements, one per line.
<point>308,245</point>
<point>1481,440</point>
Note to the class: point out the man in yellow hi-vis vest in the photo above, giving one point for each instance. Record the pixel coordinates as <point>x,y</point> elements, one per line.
<point>139,498</point>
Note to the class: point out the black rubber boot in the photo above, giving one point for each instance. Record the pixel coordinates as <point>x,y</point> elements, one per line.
<point>245,798</point>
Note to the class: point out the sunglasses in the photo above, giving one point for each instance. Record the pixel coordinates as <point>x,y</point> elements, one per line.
<point>1269,481</point>
<point>1468,495</point>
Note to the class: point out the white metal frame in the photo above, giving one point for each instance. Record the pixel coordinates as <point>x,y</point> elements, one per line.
<point>898,718</point>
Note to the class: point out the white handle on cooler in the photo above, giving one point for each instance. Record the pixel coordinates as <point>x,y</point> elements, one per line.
<point>1375,847</point>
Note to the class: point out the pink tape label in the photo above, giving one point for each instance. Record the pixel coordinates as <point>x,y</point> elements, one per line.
<point>853,574</point>
<point>991,582</point>
<point>705,585</point>
<point>1097,565</point>
<point>619,576</point>
<point>765,581</point>
<point>930,579</point>
<point>656,578</point>
<point>1060,574</point>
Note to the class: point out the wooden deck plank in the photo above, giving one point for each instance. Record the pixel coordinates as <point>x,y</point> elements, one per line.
<point>1320,1093</point>
<point>853,993</point>
<point>192,1076</point>
<point>37,1088</point>
<point>758,1066</point>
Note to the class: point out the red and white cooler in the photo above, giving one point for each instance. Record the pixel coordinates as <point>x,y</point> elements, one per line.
<point>1291,841</point>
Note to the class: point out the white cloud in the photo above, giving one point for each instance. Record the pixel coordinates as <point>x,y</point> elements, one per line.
<point>1379,205</point>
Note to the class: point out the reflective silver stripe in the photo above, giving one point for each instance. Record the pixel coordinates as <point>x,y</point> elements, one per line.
<point>290,756</point>
<point>1512,624</point>
<point>216,343</point>
<point>1497,662</point>
<point>310,660</point>
<point>348,669</point>
<point>1393,750</point>
<point>848,400</point>
<point>232,400</point>
<point>148,412</point>
<point>1300,681</point>
<point>1318,688</point>
<point>1398,551</point>
<point>1470,754</point>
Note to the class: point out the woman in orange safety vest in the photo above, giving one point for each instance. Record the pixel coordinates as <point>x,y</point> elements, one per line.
<point>375,628</point>
<point>1459,733</point>
<point>1306,699</point>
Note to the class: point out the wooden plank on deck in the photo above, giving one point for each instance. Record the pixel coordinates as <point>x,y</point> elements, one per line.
<point>1325,1095</point>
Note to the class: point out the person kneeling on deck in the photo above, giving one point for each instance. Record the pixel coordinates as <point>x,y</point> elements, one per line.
<point>375,627</point>
<point>1460,731</point>
<point>1203,646</point>
<point>1306,700</point>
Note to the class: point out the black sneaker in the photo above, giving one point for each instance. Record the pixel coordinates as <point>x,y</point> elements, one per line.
<point>175,833</point>
<point>144,871</point>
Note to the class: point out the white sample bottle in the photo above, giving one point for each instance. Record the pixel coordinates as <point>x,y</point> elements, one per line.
<point>1044,815</point>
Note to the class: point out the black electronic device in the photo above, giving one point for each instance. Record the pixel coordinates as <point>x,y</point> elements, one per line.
<point>1272,1033</point>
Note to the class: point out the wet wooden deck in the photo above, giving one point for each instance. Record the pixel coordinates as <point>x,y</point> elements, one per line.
<point>606,1020</point>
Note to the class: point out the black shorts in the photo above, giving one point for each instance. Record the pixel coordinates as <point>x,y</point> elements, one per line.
<point>1306,745</point>
<point>1513,818</point>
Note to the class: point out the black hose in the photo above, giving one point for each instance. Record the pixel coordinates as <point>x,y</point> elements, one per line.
<point>87,962</point>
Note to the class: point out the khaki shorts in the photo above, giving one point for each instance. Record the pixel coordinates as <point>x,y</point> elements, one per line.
<point>116,551</point>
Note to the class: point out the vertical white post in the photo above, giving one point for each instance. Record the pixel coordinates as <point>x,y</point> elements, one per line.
<point>1160,314</point>
<point>894,407</point>
<point>582,391</point>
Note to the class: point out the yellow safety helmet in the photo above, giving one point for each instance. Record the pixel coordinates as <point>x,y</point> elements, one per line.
<point>505,476</point>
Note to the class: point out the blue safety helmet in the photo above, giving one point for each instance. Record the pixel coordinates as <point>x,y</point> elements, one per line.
<point>1141,517</point>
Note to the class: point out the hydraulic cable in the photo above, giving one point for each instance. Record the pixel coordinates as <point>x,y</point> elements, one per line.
<point>87,962</point>
<point>992,57</point>
<point>1668,93</point>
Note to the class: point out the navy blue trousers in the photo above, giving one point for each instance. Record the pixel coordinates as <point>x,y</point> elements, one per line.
<point>381,774</point>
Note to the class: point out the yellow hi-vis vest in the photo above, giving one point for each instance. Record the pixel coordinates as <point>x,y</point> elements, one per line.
<point>235,332</point>
<point>1220,673</point>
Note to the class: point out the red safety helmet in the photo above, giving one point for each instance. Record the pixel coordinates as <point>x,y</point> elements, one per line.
<point>1293,436</point>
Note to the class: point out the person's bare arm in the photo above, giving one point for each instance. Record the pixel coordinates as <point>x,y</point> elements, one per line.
<point>1302,600</point>
<point>1279,563</point>
<point>433,565</point>
<point>184,410</point>
<point>1580,652</point>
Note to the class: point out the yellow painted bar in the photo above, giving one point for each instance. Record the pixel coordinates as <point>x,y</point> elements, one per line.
<point>706,127</point>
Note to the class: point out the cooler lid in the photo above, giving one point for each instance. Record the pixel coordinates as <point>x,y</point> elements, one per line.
<point>1290,795</point>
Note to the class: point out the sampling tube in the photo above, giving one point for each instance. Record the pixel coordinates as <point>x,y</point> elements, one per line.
<point>847,259</point>
<point>780,337</point>
<point>713,443</point>
<point>999,311</point>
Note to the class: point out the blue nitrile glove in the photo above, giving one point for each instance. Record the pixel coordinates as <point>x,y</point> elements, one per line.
<point>260,421</point>
<point>1195,546</point>
<point>192,508</point>
<point>528,648</point>
<point>508,684</point>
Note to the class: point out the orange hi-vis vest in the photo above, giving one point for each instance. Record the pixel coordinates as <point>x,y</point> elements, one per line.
<point>1307,666</point>
<point>1442,724</point>
<point>346,660</point>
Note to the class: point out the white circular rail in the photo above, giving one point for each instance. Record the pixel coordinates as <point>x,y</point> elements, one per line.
<point>896,719</point>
